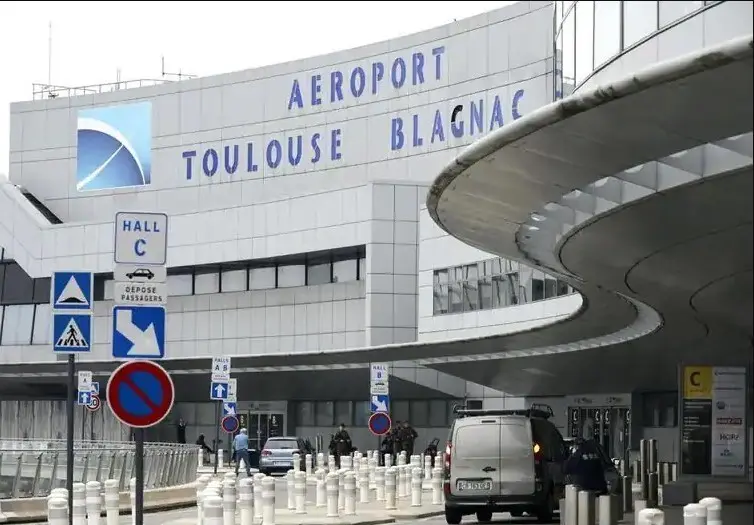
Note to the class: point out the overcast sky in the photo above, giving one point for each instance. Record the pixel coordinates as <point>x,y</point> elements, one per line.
<point>91,41</point>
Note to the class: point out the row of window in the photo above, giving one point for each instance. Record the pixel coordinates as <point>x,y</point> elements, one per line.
<point>494,283</point>
<point>591,33</point>
<point>16,287</point>
<point>660,409</point>
<point>420,413</point>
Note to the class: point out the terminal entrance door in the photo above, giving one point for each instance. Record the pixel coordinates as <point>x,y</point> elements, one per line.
<point>612,427</point>
<point>264,425</point>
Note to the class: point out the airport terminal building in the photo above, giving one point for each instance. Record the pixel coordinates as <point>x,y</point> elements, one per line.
<point>308,236</point>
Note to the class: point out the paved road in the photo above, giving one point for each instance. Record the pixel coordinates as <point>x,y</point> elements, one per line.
<point>733,514</point>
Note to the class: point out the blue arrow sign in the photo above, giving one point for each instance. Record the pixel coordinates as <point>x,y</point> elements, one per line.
<point>95,388</point>
<point>72,291</point>
<point>85,398</point>
<point>380,403</point>
<point>138,332</point>
<point>218,391</point>
<point>229,409</point>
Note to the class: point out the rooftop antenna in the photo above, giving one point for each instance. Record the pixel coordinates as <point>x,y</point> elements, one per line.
<point>50,92</point>
<point>171,76</point>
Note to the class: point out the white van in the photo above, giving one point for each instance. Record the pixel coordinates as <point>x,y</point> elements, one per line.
<point>503,461</point>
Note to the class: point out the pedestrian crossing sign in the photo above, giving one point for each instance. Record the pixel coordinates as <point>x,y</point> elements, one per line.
<point>71,333</point>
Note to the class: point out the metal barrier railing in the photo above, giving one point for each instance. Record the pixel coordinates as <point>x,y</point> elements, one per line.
<point>30,468</point>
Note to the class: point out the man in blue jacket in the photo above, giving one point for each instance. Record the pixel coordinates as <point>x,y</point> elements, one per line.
<point>241,451</point>
<point>585,466</point>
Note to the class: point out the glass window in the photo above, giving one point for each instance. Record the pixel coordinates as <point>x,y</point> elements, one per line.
<point>584,39</point>
<point>672,11</point>
<point>291,275</point>
<point>317,274</point>
<point>470,287</point>
<point>180,284</point>
<point>455,298</point>
<point>485,293</point>
<point>551,287</point>
<point>361,413</point>
<point>345,271</point>
<point>262,278</point>
<point>438,413</point>
<point>419,413</point>
<point>639,21</point>
<point>108,289</point>
<point>206,283</point>
<point>569,48</point>
<point>343,413</point>
<point>305,414</point>
<point>606,31</point>
<point>325,413</point>
<point>362,269</point>
<point>563,288</point>
<point>42,290</point>
<point>18,288</point>
<point>234,280</point>
<point>41,332</point>
<point>538,284</point>
<point>400,411</point>
<point>17,325</point>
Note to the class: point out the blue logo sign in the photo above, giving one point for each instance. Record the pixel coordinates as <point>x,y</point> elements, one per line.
<point>85,398</point>
<point>95,388</point>
<point>229,409</point>
<point>138,332</point>
<point>380,403</point>
<point>71,333</point>
<point>218,391</point>
<point>72,290</point>
<point>114,147</point>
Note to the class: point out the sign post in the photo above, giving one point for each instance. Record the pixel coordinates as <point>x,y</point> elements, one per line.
<point>379,400</point>
<point>219,390</point>
<point>140,295</point>
<point>71,302</point>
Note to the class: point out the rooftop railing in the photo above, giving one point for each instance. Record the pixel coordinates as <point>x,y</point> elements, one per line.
<point>30,468</point>
<point>45,91</point>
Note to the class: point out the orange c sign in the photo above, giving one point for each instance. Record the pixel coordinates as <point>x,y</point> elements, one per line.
<point>697,382</point>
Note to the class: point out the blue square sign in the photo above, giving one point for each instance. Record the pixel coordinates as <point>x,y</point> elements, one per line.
<point>71,333</point>
<point>380,403</point>
<point>72,290</point>
<point>138,332</point>
<point>218,391</point>
<point>85,398</point>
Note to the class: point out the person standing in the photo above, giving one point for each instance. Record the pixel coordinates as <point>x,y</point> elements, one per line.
<point>584,466</point>
<point>181,431</point>
<point>241,451</point>
<point>408,437</point>
<point>395,438</point>
<point>341,443</point>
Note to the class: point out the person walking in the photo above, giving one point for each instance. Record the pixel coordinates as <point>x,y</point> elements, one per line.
<point>584,466</point>
<point>340,444</point>
<point>408,437</point>
<point>241,451</point>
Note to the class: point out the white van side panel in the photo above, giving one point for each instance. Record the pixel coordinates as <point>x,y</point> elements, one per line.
<point>475,458</point>
<point>517,474</point>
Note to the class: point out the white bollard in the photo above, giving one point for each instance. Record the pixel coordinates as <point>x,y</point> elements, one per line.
<point>79,504</point>
<point>245,501</point>
<point>268,501</point>
<point>59,492</point>
<point>200,458</point>
<point>694,514</point>
<point>309,467</point>
<point>229,501</point>
<point>364,484</point>
<point>321,489</point>
<point>372,465</point>
<point>332,481</point>
<point>403,481</point>
<point>212,509</point>
<point>220,458</point>
<point>201,486</point>
<point>390,488</point>
<point>379,483</point>
<point>300,488</point>
<point>572,505</point>
<point>428,467</point>
<point>93,502</point>
<point>403,458</point>
<point>57,511</point>
<point>350,488</point>
<point>650,517</point>
<point>416,487</point>
<point>388,459</point>
<point>714,510</point>
<point>320,460</point>
<point>341,489</point>
<point>290,487</point>
<point>346,462</point>
<point>112,502</point>
<point>296,462</point>
<point>437,486</point>
<point>331,463</point>
<point>258,478</point>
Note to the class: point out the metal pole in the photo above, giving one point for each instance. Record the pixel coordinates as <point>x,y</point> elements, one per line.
<point>69,415</point>
<point>217,433</point>
<point>139,468</point>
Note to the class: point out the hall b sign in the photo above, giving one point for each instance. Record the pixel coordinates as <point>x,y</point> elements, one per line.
<point>713,421</point>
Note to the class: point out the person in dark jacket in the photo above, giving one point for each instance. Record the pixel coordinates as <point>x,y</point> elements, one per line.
<point>408,437</point>
<point>181,431</point>
<point>340,444</point>
<point>584,466</point>
<point>395,440</point>
<point>386,447</point>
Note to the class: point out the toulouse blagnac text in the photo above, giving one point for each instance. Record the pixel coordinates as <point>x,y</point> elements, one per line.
<point>361,83</point>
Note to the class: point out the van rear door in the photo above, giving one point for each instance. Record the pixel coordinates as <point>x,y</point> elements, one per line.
<point>517,475</point>
<point>475,458</point>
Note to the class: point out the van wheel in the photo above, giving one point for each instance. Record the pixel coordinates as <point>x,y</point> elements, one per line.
<point>484,516</point>
<point>453,516</point>
<point>546,512</point>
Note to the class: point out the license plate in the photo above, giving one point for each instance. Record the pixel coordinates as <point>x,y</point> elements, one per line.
<point>279,463</point>
<point>477,485</point>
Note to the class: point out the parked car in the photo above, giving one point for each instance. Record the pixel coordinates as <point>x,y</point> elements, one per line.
<point>277,454</point>
<point>504,461</point>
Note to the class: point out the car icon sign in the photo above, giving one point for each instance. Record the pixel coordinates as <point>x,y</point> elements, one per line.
<point>143,273</point>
